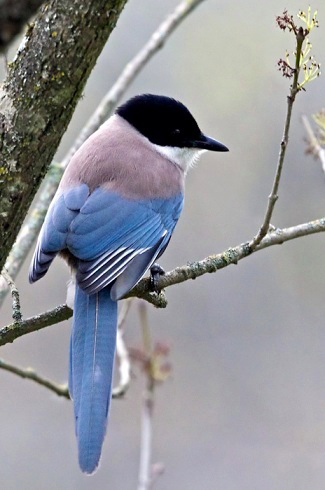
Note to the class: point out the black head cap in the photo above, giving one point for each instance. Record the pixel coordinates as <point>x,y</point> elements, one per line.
<point>166,122</point>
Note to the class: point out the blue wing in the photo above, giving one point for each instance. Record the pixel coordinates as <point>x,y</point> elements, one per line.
<point>113,238</point>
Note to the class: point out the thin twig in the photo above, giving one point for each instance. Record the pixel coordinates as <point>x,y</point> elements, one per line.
<point>62,389</point>
<point>315,147</point>
<point>11,332</point>
<point>150,358</point>
<point>210,264</point>
<point>122,353</point>
<point>29,373</point>
<point>300,36</point>
<point>147,406</point>
<point>33,224</point>
<point>16,313</point>
<point>146,441</point>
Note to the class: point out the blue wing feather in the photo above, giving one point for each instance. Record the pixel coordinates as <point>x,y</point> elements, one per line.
<point>75,197</point>
<point>146,225</point>
<point>106,232</point>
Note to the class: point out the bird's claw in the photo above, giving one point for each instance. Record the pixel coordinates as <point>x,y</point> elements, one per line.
<point>155,272</point>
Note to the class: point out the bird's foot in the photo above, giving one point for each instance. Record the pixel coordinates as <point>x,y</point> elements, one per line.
<point>155,272</point>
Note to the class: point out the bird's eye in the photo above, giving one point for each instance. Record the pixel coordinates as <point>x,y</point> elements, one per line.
<point>177,132</point>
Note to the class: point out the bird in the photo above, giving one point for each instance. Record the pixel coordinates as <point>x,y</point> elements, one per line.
<point>111,218</point>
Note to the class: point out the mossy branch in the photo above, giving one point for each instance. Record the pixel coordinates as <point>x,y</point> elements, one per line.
<point>62,389</point>
<point>210,264</point>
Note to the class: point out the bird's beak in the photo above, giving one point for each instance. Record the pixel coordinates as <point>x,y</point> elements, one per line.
<point>207,143</point>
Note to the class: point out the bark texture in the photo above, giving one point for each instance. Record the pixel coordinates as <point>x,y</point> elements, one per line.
<point>38,98</point>
<point>13,16</point>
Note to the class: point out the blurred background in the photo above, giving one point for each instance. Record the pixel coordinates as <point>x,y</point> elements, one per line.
<point>245,405</point>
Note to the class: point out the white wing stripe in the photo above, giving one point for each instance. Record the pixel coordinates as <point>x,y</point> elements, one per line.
<point>116,271</point>
<point>92,271</point>
<point>111,253</point>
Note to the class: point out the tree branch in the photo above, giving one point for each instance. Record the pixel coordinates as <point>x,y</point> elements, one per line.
<point>34,222</point>
<point>11,332</point>
<point>16,313</point>
<point>38,98</point>
<point>152,360</point>
<point>273,197</point>
<point>122,354</point>
<point>148,400</point>
<point>29,373</point>
<point>210,264</point>
<point>62,389</point>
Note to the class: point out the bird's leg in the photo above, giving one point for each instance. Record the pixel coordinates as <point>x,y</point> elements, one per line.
<point>155,272</point>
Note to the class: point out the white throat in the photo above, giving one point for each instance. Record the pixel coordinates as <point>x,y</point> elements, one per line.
<point>185,158</point>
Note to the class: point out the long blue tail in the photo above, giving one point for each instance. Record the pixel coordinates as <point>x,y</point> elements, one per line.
<point>92,351</point>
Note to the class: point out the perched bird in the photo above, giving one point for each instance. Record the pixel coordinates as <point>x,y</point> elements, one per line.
<point>112,216</point>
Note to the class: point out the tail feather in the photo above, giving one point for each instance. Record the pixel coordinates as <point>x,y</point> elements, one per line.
<point>91,371</point>
<point>77,344</point>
